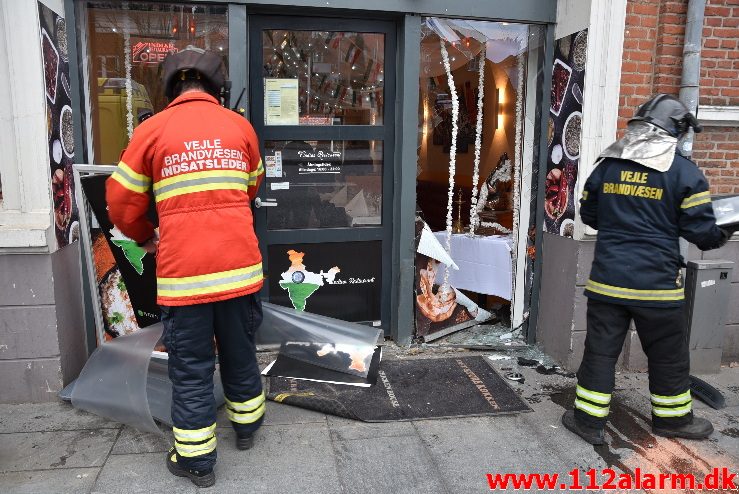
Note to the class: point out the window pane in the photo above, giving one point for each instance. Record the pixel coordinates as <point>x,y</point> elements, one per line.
<point>127,45</point>
<point>323,184</point>
<point>502,52</point>
<point>323,77</point>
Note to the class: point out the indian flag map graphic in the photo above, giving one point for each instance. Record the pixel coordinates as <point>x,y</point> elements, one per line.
<point>131,250</point>
<point>301,283</point>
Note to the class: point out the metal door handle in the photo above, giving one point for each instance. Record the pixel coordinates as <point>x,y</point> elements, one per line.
<point>258,202</point>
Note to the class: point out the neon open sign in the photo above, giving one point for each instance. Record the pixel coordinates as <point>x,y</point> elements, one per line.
<point>151,52</point>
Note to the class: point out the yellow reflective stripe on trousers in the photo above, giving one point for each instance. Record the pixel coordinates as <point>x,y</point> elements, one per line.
<point>594,396</point>
<point>680,399</point>
<point>193,434</point>
<point>633,294</point>
<point>200,182</point>
<point>245,406</point>
<point>593,410</point>
<point>672,412</point>
<point>131,180</point>
<point>190,450</point>
<point>245,418</point>
<point>210,283</point>
<point>696,200</point>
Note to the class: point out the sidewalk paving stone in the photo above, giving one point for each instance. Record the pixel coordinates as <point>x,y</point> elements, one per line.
<point>468,449</point>
<point>398,464</point>
<point>285,458</point>
<point>142,473</point>
<point>132,441</point>
<point>345,429</point>
<point>64,449</point>
<point>50,448</point>
<point>54,416</point>
<point>58,481</point>
<point>290,458</point>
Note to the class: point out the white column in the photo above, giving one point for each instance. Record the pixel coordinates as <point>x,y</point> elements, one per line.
<point>601,92</point>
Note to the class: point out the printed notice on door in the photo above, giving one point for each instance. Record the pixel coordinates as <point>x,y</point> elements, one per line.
<point>281,102</point>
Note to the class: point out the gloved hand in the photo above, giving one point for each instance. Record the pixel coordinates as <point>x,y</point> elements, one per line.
<point>151,245</point>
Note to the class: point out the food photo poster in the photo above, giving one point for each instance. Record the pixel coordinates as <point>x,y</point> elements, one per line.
<point>125,273</point>
<point>60,130</point>
<point>564,133</point>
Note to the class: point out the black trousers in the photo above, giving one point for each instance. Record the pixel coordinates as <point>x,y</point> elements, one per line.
<point>189,333</point>
<point>663,339</point>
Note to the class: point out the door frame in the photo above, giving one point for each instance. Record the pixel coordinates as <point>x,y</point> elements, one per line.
<point>384,133</point>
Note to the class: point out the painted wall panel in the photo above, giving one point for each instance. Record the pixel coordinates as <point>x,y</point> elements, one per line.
<point>26,279</point>
<point>28,332</point>
<point>30,381</point>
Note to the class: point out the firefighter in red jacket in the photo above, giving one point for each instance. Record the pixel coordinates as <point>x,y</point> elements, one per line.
<point>200,162</point>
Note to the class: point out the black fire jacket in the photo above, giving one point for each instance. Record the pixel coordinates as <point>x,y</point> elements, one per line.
<point>640,213</point>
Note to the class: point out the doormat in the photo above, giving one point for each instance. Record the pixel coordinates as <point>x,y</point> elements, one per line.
<point>408,390</point>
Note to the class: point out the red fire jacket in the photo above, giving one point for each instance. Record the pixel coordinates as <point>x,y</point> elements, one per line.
<point>201,163</point>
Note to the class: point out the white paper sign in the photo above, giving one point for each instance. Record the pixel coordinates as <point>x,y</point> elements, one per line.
<point>273,165</point>
<point>278,162</point>
<point>281,102</point>
<point>269,166</point>
<point>280,185</point>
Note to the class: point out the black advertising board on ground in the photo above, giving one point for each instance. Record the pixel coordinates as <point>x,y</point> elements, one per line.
<point>339,280</point>
<point>349,359</point>
<point>137,268</point>
<point>408,390</point>
<point>291,368</point>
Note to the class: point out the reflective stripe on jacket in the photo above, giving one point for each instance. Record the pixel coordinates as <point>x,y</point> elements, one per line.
<point>200,162</point>
<point>640,214</point>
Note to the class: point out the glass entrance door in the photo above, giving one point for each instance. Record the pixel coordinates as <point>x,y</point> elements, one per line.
<point>322,99</point>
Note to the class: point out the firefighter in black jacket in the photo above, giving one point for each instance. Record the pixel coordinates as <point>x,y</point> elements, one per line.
<point>642,197</point>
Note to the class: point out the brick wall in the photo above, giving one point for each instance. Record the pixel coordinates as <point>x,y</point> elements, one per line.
<point>719,56</point>
<point>716,151</point>
<point>652,63</point>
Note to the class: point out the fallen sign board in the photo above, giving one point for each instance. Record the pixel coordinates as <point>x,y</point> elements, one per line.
<point>291,368</point>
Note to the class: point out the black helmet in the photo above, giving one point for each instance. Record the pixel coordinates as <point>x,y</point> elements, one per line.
<point>193,63</point>
<point>667,113</point>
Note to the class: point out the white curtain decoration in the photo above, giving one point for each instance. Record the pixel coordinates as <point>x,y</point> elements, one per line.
<point>517,161</point>
<point>517,165</point>
<point>452,156</point>
<point>478,142</point>
<point>127,61</point>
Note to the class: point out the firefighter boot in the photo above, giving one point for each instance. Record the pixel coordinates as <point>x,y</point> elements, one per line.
<point>200,479</point>
<point>244,441</point>
<point>697,428</point>
<point>591,435</point>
